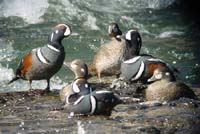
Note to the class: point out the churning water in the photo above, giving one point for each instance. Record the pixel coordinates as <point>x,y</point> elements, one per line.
<point>25,24</point>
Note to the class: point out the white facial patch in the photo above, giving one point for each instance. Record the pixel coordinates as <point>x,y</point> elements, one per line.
<point>86,85</point>
<point>128,35</point>
<point>56,31</point>
<point>67,31</point>
<point>75,87</point>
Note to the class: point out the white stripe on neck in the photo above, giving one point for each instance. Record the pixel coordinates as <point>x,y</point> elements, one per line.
<point>53,48</point>
<point>41,57</point>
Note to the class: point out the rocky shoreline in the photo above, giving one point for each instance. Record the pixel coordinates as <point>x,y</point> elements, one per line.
<point>40,112</point>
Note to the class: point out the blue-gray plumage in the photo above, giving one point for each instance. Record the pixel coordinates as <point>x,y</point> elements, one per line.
<point>43,62</point>
<point>141,68</point>
<point>79,98</point>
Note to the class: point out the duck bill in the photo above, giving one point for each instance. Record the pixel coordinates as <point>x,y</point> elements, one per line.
<point>152,79</point>
<point>67,64</point>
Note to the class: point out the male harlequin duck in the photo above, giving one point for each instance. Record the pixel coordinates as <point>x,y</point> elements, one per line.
<point>133,43</point>
<point>43,62</point>
<point>141,68</point>
<point>166,88</point>
<point>79,99</point>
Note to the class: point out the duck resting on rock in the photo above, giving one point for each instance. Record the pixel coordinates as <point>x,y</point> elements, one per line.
<point>166,88</point>
<point>142,67</point>
<point>80,99</point>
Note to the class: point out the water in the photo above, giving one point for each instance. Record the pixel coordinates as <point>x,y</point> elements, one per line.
<point>25,24</point>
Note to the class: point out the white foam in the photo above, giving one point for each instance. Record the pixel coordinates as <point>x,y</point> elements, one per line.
<point>168,34</point>
<point>6,73</point>
<point>30,10</point>
<point>80,128</point>
<point>91,22</point>
<point>7,52</point>
<point>154,4</point>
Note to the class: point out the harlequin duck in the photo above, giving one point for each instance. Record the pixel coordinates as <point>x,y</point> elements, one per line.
<point>79,86</point>
<point>107,60</point>
<point>133,43</point>
<point>79,98</point>
<point>141,68</point>
<point>114,31</point>
<point>43,62</point>
<point>166,88</point>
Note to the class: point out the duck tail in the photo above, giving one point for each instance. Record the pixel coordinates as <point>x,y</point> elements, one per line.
<point>14,79</point>
<point>91,70</point>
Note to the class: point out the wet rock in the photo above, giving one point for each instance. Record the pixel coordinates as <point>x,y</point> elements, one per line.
<point>2,100</point>
<point>42,113</point>
<point>132,90</point>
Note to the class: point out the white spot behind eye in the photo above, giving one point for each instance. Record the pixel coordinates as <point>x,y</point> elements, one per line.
<point>56,31</point>
<point>138,39</point>
<point>82,70</point>
<point>86,85</point>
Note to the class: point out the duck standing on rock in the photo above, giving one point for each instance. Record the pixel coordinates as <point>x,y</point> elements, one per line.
<point>43,62</point>
<point>79,99</point>
<point>106,61</point>
<point>166,88</point>
<point>108,58</point>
